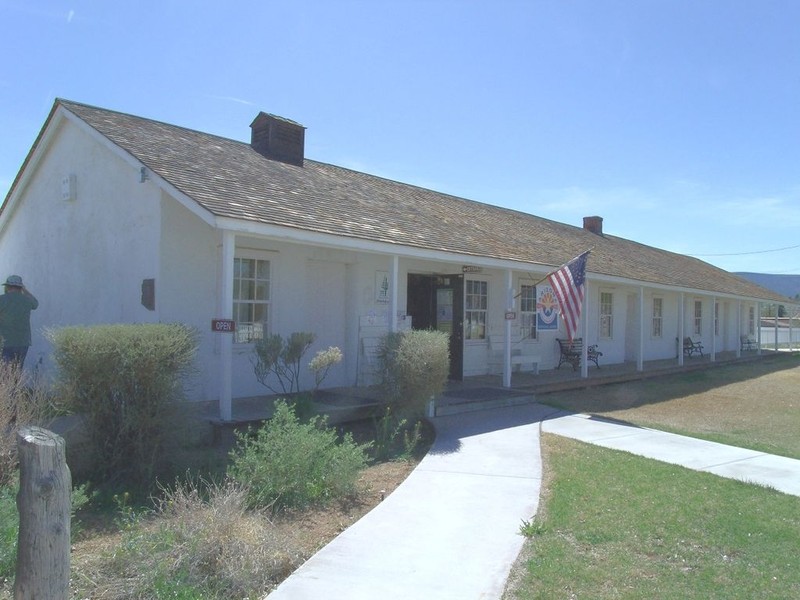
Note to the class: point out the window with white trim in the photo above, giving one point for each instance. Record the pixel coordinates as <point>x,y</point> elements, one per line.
<point>698,318</point>
<point>606,314</point>
<point>251,298</point>
<point>716,318</point>
<point>527,311</point>
<point>476,301</point>
<point>751,320</point>
<point>658,318</point>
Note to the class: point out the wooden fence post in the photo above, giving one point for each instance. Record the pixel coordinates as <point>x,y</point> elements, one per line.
<point>43,502</point>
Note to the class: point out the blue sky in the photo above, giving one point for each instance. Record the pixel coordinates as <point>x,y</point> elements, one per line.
<point>676,121</point>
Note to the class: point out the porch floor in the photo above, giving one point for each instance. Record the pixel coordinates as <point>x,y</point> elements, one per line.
<point>477,392</point>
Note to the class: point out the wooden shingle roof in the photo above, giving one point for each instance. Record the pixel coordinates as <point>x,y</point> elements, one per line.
<point>230,179</point>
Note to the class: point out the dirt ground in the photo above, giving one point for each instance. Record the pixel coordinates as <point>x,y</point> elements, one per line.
<point>304,531</point>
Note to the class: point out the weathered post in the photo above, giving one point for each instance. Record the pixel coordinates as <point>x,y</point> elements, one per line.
<point>43,502</point>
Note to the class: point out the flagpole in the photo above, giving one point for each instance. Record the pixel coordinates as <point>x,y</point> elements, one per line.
<point>556,269</point>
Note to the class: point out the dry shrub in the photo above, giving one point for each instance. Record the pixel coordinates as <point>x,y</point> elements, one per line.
<point>22,402</point>
<point>203,542</point>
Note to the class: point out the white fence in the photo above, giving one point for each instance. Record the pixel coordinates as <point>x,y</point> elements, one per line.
<point>768,337</point>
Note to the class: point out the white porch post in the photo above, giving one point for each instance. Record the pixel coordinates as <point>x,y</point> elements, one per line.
<point>776,328</point>
<point>585,334</point>
<point>226,340</point>
<point>640,351</point>
<point>758,325</point>
<point>739,328</point>
<point>507,326</point>
<point>681,327</point>
<point>393,277</point>
<point>714,327</point>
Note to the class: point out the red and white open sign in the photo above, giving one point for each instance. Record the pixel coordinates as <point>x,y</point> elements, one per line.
<point>223,325</point>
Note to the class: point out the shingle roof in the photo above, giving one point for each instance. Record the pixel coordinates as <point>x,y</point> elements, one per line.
<point>230,179</point>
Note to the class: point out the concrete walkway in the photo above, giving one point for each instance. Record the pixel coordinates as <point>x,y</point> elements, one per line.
<point>778,472</point>
<point>451,530</point>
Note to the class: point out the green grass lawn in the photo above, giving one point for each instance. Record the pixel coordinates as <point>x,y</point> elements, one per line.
<point>614,525</point>
<point>751,404</point>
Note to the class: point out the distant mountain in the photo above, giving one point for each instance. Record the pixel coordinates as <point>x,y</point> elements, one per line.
<point>788,285</point>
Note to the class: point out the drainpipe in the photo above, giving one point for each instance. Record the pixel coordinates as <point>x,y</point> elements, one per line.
<point>226,341</point>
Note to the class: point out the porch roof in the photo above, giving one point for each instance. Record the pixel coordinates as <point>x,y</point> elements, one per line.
<point>230,179</point>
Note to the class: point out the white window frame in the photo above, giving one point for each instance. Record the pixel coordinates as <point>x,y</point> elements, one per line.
<point>716,318</point>
<point>527,311</point>
<point>246,329</point>
<point>751,320</point>
<point>697,325</point>
<point>606,320</point>
<point>657,327</point>
<point>476,309</point>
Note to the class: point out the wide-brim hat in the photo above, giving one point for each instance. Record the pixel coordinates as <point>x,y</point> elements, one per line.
<point>13,281</point>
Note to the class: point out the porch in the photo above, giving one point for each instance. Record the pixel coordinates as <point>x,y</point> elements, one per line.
<point>481,392</point>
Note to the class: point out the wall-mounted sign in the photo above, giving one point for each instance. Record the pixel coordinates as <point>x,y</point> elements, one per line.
<point>510,315</point>
<point>223,325</point>
<point>382,286</point>
<point>471,269</point>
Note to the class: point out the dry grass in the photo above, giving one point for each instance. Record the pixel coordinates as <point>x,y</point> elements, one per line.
<point>208,544</point>
<point>21,403</point>
<point>193,540</point>
<point>751,404</point>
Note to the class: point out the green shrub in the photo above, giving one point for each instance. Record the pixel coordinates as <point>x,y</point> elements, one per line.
<point>395,437</point>
<point>9,529</point>
<point>124,378</point>
<point>286,463</point>
<point>416,365</point>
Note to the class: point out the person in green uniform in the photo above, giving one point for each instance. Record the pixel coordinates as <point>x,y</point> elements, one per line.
<point>16,305</point>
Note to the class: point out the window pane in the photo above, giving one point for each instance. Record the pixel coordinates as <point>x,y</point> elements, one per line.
<point>246,268</point>
<point>263,269</point>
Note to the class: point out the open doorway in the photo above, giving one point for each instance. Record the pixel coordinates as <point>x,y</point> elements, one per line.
<point>437,302</point>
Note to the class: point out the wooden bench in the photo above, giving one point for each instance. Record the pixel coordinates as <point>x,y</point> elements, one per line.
<point>691,347</point>
<point>571,351</point>
<point>748,343</point>
<point>518,357</point>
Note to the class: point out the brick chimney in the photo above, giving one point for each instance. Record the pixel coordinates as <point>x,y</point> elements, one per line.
<point>277,138</point>
<point>593,224</point>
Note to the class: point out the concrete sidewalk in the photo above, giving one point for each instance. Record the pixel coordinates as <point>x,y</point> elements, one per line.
<point>778,472</point>
<point>451,530</point>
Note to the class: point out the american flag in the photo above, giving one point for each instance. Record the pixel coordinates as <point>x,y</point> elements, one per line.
<point>568,285</point>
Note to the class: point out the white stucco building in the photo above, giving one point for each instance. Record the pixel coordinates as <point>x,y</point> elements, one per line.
<point>116,218</point>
